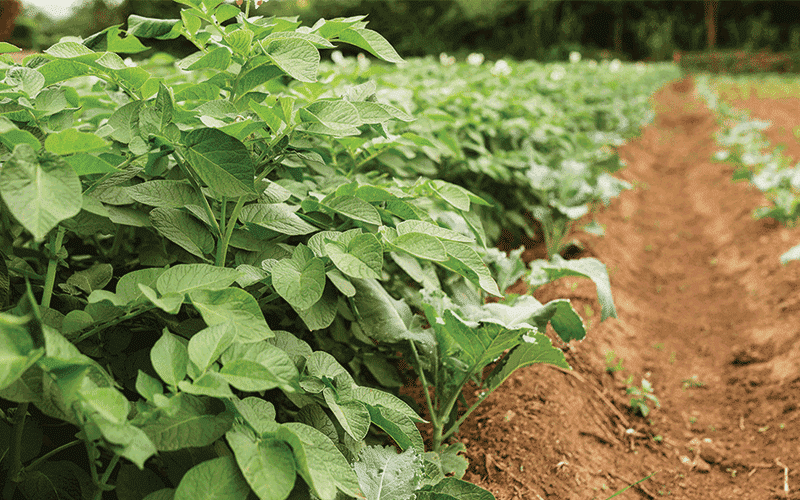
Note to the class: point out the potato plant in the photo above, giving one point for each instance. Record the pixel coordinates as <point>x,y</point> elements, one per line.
<point>203,290</point>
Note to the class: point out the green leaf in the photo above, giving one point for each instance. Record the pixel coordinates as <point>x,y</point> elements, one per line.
<point>483,346</point>
<point>209,343</point>
<point>185,278</point>
<point>58,479</point>
<point>352,415</point>
<point>216,479</point>
<point>538,350</point>
<point>268,465</point>
<point>183,230</point>
<point>188,421</point>
<point>71,141</point>
<point>322,313</point>
<point>379,315</point>
<point>385,474</point>
<point>455,195</point>
<point>361,258</point>
<point>259,414</point>
<point>336,115</point>
<point>378,398</point>
<point>161,29</point>
<point>301,279</point>
<point>790,255</point>
<point>354,208</point>
<point>86,164</point>
<point>319,462</point>
<point>566,322</point>
<point>278,217</point>
<point>465,261</point>
<point>165,193</point>
<point>147,386</point>
<point>418,226</point>
<point>169,303</point>
<point>162,494</point>
<point>398,426</point>
<point>298,58</point>
<point>108,402</point>
<point>169,358</point>
<point>249,376</point>
<point>17,351</point>
<point>421,245</point>
<point>210,384</point>
<point>6,48</point>
<point>588,267</point>
<point>233,306</point>
<point>372,42</point>
<point>39,191</point>
<point>27,80</point>
<point>451,488</point>
<point>222,162</point>
<point>280,369</point>
<point>125,122</point>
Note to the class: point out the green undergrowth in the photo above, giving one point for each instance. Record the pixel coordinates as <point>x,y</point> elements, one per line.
<point>757,161</point>
<point>212,268</point>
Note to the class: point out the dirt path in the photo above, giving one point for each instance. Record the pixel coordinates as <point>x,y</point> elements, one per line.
<point>701,296</point>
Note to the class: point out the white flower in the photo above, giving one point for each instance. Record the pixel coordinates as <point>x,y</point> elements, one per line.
<point>337,57</point>
<point>363,62</point>
<point>574,57</point>
<point>501,68</point>
<point>475,59</point>
<point>558,73</point>
<point>446,60</point>
<point>615,66</point>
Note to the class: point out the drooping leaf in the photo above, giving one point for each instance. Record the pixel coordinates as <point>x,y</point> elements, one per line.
<point>278,217</point>
<point>209,343</point>
<point>587,267</point>
<point>191,421</point>
<point>222,162</point>
<point>268,465</point>
<point>298,58</point>
<point>352,415</point>
<point>301,279</point>
<point>183,230</point>
<point>169,357</point>
<point>235,307</point>
<point>355,208</point>
<point>275,367</point>
<point>71,141</point>
<point>184,278</point>
<point>538,350</point>
<point>372,42</point>
<point>39,191</point>
<point>146,27</point>
<point>361,258</point>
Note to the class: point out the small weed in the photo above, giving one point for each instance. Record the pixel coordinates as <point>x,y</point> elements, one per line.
<point>659,346</point>
<point>782,426</point>
<point>763,429</point>
<point>672,357</point>
<point>641,397</point>
<point>648,248</point>
<point>610,366</point>
<point>658,288</point>
<point>692,420</point>
<point>691,383</point>
<point>658,438</point>
<point>712,428</point>
<point>588,310</point>
<point>732,472</point>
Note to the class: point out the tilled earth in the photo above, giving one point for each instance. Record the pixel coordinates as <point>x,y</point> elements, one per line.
<point>707,314</point>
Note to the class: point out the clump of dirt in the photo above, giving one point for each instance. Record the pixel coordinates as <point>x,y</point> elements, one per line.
<point>707,314</point>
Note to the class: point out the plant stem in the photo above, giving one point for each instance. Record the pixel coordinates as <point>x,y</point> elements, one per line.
<point>433,416</point>
<point>185,168</point>
<point>115,321</point>
<point>16,452</point>
<point>52,266</point>
<point>453,428</point>
<point>38,461</point>
<point>101,485</point>
<point>222,245</point>
<point>438,438</point>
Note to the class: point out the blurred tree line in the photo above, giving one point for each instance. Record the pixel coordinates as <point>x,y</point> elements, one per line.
<point>523,29</point>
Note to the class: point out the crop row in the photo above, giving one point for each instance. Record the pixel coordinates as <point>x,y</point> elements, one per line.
<point>213,267</point>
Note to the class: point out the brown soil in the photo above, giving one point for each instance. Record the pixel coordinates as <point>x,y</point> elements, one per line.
<point>701,295</point>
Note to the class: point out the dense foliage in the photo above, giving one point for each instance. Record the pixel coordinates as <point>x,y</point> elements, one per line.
<point>212,267</point>
<point>738,62</point>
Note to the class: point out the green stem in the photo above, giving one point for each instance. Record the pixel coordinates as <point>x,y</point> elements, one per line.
<point>222,245</point>
<point>52,266</point>
<point>16,452</point>
<point>115,321</point>
<point>38,461</point>
<point>102,485</point>
<point>27,274</point>
<point>210,214</point>
<point>453,428</point>
<point>438,438</point>
<point>434,418</point>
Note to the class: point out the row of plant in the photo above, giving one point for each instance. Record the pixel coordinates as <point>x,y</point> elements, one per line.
<point>739,62</point>
<point>757,161</point>
<point>199,282</point>
<point>532,139</point>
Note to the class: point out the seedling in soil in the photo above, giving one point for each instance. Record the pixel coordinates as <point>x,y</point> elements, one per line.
<point>641,396</point>
<point>691,383</point>
<point>610,366</point>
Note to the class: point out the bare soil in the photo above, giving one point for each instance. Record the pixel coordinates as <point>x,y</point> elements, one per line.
<point>702,297</point>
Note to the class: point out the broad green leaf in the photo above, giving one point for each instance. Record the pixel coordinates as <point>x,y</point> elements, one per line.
<point>452,194</point>
<point>588,267</point>
<point>86,164</point>
<point>538,350</point>
<point>164,193</point>
<point>278,217</point>
<point>268,465</point>
<point>216,479</point>
<point>354,208</point>
<point>352,415</point>
<point>39,191</point>
<point>184,278</point>
<point>71,141</point>
<point>169,358</point>
<point>482,346</point>
<point>465,261</point>
<point>108,402</point>
<point>315,39</point>
<point>341,282</point>
<point>418,226</point>
<point>169,303</point>
<point>421,245</point>
<point>17,351</point>
<point>385,474</point>
<point>336,115</point>
<point>209,343</point>
<point>280,369</point>
<point>566,322</point>
<point>451,488</point>
<point>161,29</point>
<point>301,279</point>
<point>183,230</point>
<point>426,276</point>
<point>380,316</point>
<point>56,479</point>
<point>233,306</point>
<point>398,426</point>
<point>222,162</point>
<point>125,122</point>
<point>240,41</point>
<point>790,255</point>
<point>376,112</point>
<point>13,136</point>
<point>322,313</point>
<point>298,58</point>
<point>331,27</point>
<point>319,462</point>
<point>372,42</point>
<point>6,48</point>
<point>27,80</point>
<point>127,289</point>
<point>148,386</point>
<point>258,413</point>
<point>361,258</point>
<point>190,422</point>
<point>378,398</point>
<point>162,494</point>
<point>210,384</point>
